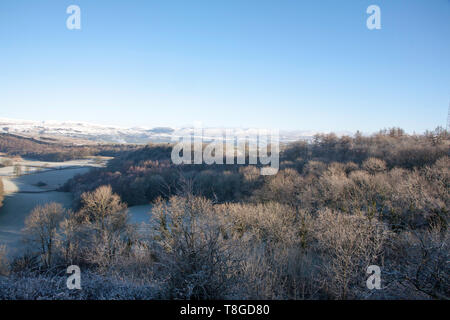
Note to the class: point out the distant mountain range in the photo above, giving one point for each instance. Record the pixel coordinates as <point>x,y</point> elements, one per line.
<point>115,134</point>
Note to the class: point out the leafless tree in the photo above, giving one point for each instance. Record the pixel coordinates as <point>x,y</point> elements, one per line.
<point>101,204</point>
<point>1,192</point>
<point>348,244</point>
<point>41,229</point>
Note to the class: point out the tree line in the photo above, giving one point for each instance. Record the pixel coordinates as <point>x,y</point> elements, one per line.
<point>49,150</point>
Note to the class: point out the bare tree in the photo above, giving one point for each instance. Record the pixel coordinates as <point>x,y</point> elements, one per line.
<point>100,204</point>
<point>105,218</point>
<point>41,229</point>
<point>422,262</point>
<point>348,244</point>
<point>1,192</point>
<point>191,246</point>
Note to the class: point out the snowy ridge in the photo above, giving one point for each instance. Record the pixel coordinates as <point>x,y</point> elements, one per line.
<point>116,134</point>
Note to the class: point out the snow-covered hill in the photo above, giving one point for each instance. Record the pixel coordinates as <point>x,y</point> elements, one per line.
<point>101,133</point>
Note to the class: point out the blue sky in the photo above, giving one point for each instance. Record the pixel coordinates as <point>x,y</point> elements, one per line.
<point>287,64</point>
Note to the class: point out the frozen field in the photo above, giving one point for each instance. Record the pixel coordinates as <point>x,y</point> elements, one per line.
<point>140,214</point>
<point>30,166</point>
<point>32,188</point>
<point>52,179</point>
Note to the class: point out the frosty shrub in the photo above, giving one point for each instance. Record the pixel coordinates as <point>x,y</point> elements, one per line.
<point>374,165</point>
<point>52,286</point>
<point>420,263</point>
<point>192,249</point>
<point>347,244</point>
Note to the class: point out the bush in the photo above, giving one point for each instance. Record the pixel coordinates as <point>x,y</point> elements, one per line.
<point>191,244</point>
<point>52,286</point>
<point>283,187</point>
<point>419,263</point>
<point>347,245</point>
<point>374,165</point>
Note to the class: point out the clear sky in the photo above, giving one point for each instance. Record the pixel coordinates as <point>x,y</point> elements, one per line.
<point>287,64</point>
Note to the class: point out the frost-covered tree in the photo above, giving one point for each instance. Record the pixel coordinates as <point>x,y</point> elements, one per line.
<point>41,229</point>
<point>101,204</point>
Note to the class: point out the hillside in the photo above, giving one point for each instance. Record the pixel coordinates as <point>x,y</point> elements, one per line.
<point>51,149</point>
